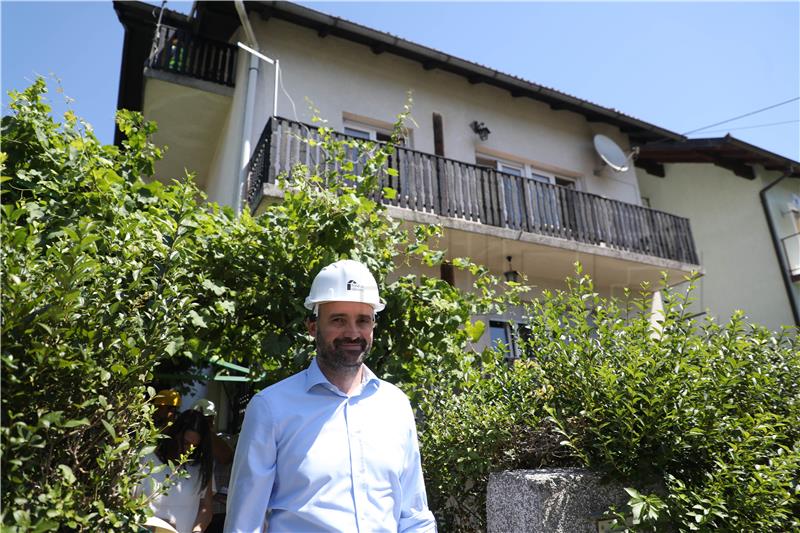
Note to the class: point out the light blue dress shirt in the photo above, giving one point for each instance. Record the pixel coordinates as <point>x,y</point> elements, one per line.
<point>317,459</point>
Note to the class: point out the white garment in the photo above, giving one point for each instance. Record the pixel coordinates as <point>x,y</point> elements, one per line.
<point>179,504</point>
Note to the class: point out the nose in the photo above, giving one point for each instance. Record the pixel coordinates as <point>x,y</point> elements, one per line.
<point>352,331</point>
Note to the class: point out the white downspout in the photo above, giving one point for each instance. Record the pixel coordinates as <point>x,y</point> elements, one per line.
<point>249,105</point>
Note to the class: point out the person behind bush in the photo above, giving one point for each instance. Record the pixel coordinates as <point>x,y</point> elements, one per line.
<point>223,456</point>
<point>186,502</point>
<point>167,402</point>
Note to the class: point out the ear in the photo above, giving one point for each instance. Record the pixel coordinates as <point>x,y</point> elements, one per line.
<point>311,326</point>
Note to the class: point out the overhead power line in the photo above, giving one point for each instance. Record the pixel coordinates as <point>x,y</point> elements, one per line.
<point>745,115</point>
<point>756,126</point>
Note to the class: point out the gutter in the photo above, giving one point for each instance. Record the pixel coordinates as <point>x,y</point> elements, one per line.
<point>249,105</point>
<point>773,232</point>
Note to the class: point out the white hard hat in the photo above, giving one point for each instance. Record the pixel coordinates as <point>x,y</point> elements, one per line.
<point>205,406</point>
<point>344,281</point>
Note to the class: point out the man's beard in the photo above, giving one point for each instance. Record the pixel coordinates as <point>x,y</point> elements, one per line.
<point>335,357</point>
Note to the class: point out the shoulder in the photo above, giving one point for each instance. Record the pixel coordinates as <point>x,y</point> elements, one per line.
<point>272,398</point>
<point>150,461</point>
<point>291,384</point>
<point>150,457</point>
<point>392,393</point>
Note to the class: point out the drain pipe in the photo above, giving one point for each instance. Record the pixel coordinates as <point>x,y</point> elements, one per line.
<point>249,105</point>
<point>773,231</point>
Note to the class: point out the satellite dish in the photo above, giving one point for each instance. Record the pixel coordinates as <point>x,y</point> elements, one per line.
<point>611,154</point>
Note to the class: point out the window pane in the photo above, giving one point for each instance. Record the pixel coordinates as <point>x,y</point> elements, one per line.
<point>499,334</point>
<point>361,134</point>
<point>539,177</point>
<point>510,170</point>
<point>564,182</point>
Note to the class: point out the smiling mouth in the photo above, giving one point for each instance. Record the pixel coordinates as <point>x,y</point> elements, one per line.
<point>351,345</point>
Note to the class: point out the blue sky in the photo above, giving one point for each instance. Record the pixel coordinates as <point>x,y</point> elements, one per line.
<point>679,65</point>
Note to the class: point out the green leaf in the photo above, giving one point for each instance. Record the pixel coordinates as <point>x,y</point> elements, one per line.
<point>76,423</point>
<point>67,474</point>
<point>197,320</point>
<point>475,329</point>
<point>109,428</point>
<point>208,284</point>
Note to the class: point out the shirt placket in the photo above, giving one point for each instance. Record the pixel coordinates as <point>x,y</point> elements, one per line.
<point>357,466</point>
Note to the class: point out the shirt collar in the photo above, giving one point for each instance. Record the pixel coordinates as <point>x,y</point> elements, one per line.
<point>314,376</point>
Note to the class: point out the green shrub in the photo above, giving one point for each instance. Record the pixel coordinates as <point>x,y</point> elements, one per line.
<point>94,262</point>
<point>107,278</point>
<point>710,412</point>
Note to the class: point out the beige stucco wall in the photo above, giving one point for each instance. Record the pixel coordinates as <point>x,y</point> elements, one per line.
<point>185,141</point>
<point>226,163</point>
<point>732,239</point>
<point>339,77</point>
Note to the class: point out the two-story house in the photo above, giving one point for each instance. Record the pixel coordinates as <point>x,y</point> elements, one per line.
<point>509,168</point>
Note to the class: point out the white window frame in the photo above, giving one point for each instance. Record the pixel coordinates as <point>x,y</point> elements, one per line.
<point>527,170</point>
<point>371,130</point>
<point>547,211</point>
<point>368,134</point>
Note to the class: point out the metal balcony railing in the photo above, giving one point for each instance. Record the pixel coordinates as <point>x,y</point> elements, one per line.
<point>450,188</point>
<point>179,51</point>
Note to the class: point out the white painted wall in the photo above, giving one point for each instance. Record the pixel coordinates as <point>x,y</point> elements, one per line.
<point>732,238</point>
<point>339,76</point>
<point>186,141</point>
<point>226,162</point>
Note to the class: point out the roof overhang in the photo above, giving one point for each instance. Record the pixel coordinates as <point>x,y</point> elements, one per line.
<point>728,152</point>
<point>379,42</point>
<point>218,20</point>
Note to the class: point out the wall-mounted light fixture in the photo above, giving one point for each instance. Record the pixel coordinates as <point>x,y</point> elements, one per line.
<point>480,129</point>
<point>511,274</point>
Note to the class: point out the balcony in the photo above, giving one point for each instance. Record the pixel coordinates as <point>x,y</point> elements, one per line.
<point>179,52</point>
<point>453,189</point>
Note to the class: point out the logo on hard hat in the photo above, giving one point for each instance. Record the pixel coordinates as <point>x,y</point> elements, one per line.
<point>353,285</point>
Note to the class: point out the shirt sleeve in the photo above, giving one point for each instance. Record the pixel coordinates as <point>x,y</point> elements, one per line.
<point>253,471</point>
<point>415,517</point>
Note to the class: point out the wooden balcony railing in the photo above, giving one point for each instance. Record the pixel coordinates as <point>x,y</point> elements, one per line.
<point>454,189</point>
<point>178,51</point>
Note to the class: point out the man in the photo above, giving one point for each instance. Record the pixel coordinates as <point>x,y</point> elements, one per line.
<point>332,448</point>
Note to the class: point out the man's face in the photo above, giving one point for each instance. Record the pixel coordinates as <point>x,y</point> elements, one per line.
<point>343,331</point>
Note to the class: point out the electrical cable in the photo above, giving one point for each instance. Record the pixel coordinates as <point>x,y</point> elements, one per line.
<point>157,35</point>
<point>742,116</point>
<point>756,126</point>
<point>280,81</point>
<point>307,130</point>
